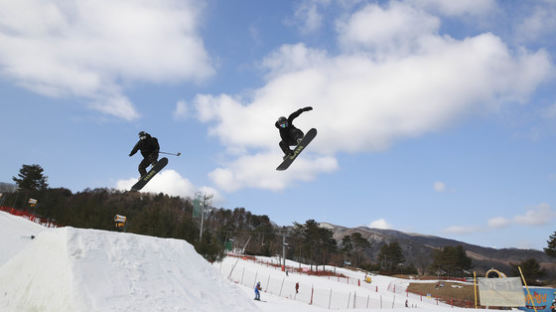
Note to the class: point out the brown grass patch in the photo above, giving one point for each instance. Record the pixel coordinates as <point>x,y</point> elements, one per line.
<point>460,295</point>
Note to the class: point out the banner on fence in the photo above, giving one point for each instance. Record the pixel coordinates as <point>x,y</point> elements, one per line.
<point>544,300</point>
<point>501,292</point>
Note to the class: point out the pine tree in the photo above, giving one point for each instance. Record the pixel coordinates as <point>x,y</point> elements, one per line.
<point>551,248</point>
<point>531,269</point>
<point>390,256</point>
<point>31,178</point>
<point>451,259</point>
<point>360,244</point>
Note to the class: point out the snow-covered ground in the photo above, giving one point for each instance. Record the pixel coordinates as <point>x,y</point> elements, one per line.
<point>68,269</point>
<point>321,293</point>
<point>82,270</point>
<point>15,234</point>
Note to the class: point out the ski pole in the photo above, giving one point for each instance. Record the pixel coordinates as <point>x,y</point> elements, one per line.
<point>176,154</point>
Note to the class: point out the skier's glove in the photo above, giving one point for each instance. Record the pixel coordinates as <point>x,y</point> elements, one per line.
<point>308,108</point>
<point>130,154</point>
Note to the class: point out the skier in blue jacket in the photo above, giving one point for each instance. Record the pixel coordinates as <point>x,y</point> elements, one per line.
<point>258,288</point>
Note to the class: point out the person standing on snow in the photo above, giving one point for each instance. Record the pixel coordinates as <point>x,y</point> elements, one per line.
<point>258,289</point>
<point>149,148</point>
<point>290,135</point>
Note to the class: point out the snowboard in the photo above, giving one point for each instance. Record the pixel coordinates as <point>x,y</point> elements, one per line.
<point>300,147</point>
<point>162,162</point>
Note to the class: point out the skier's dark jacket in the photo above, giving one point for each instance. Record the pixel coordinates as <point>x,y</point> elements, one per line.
<point>290,133</point>
<point>146,146</point>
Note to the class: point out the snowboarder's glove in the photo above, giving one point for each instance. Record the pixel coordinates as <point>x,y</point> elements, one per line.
<point>130,154</point>
<point>308,108</point>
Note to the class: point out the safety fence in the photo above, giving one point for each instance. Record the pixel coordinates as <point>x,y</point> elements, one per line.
<point>29,216</point>
<point>277,266</point>
<point>330,298</point>
<point>397,288</point>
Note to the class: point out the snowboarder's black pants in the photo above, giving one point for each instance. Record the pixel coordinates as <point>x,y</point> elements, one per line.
<point>151,159</point>
<point>285,146</point>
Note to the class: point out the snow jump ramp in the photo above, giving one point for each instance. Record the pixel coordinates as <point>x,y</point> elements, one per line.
<point>82,270</point>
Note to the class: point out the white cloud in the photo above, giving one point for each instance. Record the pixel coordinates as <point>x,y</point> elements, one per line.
<point>456,8</point>
<point>396,29</point>
<point>540,23</point>
<point>461,230</point>
<point>308,16</point>
<point>116,105</point>
<point>498,222</point>
<point>259,171</point>
<point>540,215</point>
<point>170,182</point>
<point>181,110</point>
<point>91,49</point>
<point>364,99</point>
<point>439,186</point>
<point>373,103</point>
<point>380,224</point>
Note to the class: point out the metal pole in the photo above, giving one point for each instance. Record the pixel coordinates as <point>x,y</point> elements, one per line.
<point>475,287</point>
<point>203,207</point>
<point>202,219</point>
<point>284,251</point>
<point>527,287</point>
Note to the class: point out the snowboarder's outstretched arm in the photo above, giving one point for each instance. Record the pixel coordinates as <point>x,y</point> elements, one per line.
<point>298,112</point>
<point>134,150</point>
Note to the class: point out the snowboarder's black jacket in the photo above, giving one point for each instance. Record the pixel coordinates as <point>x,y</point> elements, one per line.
<point>289,133</point>
<point>147,146</point>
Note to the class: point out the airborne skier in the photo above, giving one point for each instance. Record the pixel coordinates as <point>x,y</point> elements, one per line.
<point>149,148</point>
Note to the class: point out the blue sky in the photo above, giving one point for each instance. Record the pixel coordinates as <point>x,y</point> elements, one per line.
<point>434,117</point>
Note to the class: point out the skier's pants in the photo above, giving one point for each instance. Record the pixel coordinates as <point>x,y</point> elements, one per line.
<point>151,159</point>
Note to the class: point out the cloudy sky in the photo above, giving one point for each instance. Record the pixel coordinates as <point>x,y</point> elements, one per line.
<point>433,116</point>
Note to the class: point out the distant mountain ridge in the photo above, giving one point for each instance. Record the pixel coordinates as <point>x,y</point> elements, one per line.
<point>417,249</point>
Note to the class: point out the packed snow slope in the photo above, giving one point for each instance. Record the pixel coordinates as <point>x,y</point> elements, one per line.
<point>15,234</point>
<point>68,269</point>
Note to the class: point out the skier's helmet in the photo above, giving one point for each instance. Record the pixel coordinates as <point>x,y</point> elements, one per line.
<point>283,122</point>
<point>143,135</point>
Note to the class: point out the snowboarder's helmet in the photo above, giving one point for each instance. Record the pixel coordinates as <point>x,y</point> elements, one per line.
<point>283,122</point>
<point>143,135</point>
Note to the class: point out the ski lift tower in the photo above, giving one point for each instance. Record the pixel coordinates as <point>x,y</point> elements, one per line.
<point>200,204</point>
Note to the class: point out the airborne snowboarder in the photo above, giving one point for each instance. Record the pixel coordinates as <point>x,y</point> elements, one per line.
<point>149,148</point>
<point>292,136</point>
